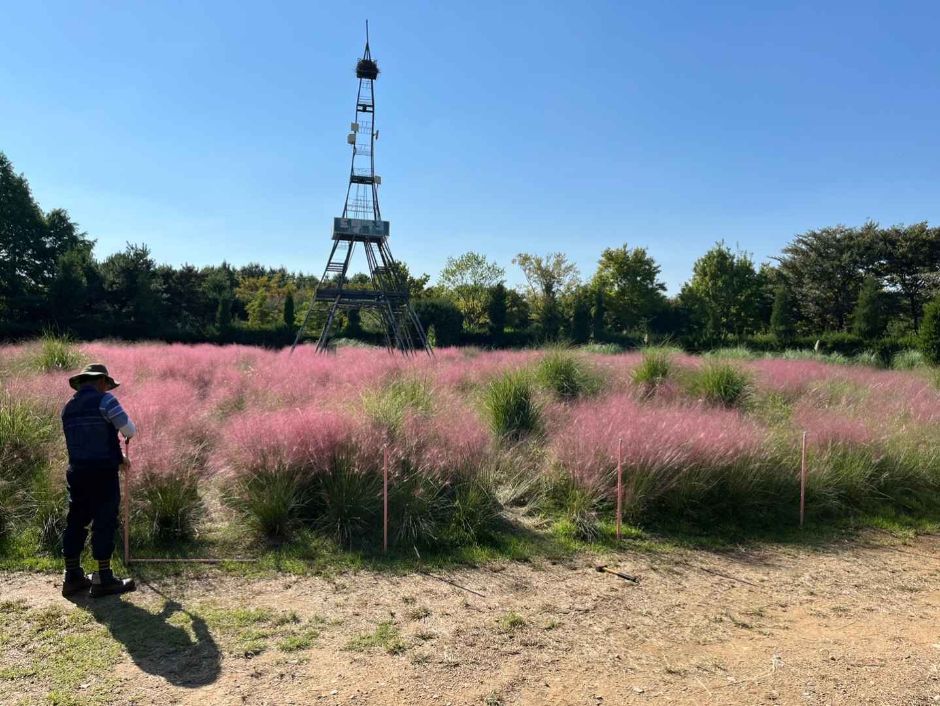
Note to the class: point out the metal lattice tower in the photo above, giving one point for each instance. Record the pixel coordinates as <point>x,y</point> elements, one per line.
<point>361,222</point>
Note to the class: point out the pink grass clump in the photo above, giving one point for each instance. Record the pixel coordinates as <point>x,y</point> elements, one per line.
<point>827,427</point>
<point>173,430</point>
<point>658,440</point>
<point>289,440</point>
<point>447,443</point>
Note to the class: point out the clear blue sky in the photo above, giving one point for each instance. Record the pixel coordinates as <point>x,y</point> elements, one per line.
<point>217,130</point>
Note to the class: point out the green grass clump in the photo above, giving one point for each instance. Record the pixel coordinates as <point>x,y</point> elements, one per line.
<point>57,352</point>
<point>389,405</point>
<point>735,353</point>
<point>25,434</point>
<point>720,384</point>
<point>271,501</point>
<point>566,376</point>
<point>475,510</point>
<point>510,622</point>
<point>603,348</point>
<point>654,369</point>
<point>347,501</point>
<point>511,408</point>
<point>385,636</point>
<point>170,505</point>
<point>908,360</point>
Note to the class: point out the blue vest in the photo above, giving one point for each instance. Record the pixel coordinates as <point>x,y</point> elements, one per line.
<point>92,440</point>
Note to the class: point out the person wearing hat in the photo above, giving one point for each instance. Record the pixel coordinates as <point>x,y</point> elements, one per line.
<point>91,421</point>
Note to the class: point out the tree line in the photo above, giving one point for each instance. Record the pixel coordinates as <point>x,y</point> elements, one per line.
<point>851,287</point>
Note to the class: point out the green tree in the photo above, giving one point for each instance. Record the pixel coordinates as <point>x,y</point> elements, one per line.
<point>630,289</point>
<point>782,323</point>
<point>869,319</point>
<point>131,298</point>
<point>467,280</point>
<point>581,316</point>
<point>496,311</point>
<point>598,315</point>
<point>548,278</point>
<point>68,290</point>
<point>290,317</point>
<point>824,269</point>
<point>907,259</point>
<point>930,332</point>
<point>722,296</point>
<point>518,311</point>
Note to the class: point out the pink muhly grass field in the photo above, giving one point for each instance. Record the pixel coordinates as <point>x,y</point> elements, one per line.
<point>221,412</point>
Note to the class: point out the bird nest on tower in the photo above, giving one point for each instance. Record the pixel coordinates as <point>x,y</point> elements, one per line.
<point>366,68</point>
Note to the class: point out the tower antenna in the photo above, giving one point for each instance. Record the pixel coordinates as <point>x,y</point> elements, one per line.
<point>386,294</point>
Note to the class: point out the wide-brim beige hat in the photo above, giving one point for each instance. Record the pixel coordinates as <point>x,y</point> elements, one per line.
<point>92,372</point>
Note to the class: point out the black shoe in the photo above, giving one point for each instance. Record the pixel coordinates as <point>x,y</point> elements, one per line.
<point>76,583</point>
<point>110,585</point>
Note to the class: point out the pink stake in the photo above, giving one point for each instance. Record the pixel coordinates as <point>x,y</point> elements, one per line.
<point>619,484</point>
<point>803,481</point>
<point>385,498</point>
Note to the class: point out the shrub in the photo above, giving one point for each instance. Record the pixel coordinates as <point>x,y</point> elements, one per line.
<point>654,369</point>
<point>720,383</point>
<point>930,332</point>
<point>57,352</point>
<point>511,407</point>
<point>565,376</point>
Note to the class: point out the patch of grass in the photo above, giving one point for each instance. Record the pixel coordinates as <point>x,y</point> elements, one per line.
<point>653,369</point>
<point>389,405</point>
<point>347,501</point>
<point>298,641</point>
<point>908,360</point>
<point>419,613</point>
<point>271,501</point>
<point>386,636</point>
<point>719,384</point>
<point>603,348</point>
<point>735,353</point>
<point>565,376</point>
<point>510,622</point>
<point>61,652</point>
<point>510,406</point>
<point>57,352</point>
<point>169,505</point>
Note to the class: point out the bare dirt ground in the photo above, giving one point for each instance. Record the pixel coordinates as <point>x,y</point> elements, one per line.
<point>855,623</point>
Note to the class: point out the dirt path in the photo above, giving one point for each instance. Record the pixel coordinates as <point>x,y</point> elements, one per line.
<point>853,624</point>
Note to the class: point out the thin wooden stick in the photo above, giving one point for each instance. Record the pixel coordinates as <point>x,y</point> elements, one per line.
<point>619,484</point>
<point>385,498</point>
<point>127,506</point>
<point>803,481</point>
<point>193,561</point>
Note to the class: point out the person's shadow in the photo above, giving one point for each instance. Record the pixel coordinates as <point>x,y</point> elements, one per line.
<point>156,645</point>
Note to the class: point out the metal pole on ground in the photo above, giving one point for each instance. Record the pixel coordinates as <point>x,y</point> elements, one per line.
<point>803,481</point>
<point>385,498</point>
<point>619,484</point>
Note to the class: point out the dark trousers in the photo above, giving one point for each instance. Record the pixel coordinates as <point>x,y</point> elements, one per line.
<point>94,499</point>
